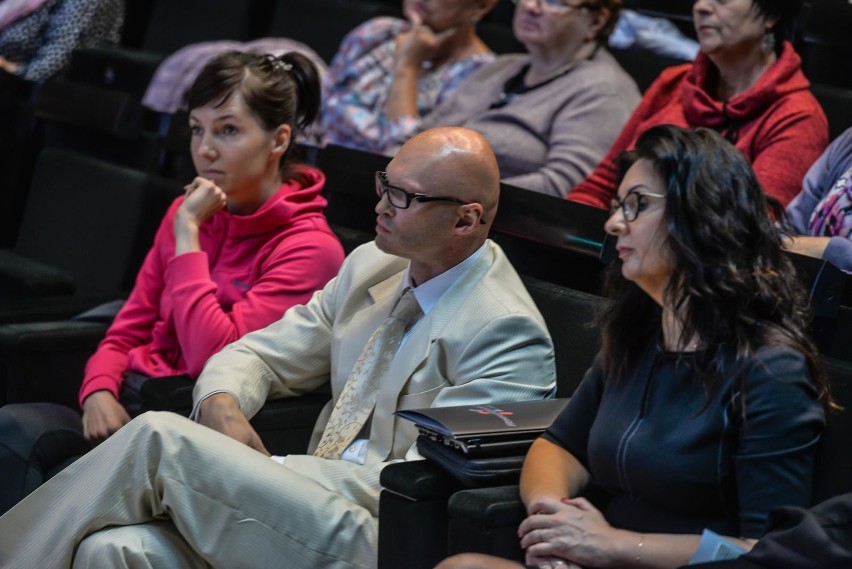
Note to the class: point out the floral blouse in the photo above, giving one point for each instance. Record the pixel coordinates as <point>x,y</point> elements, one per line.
<point>356,89</point>
<point>41,43</point>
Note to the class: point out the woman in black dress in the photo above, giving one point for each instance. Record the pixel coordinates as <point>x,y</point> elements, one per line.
<point>706,403</point>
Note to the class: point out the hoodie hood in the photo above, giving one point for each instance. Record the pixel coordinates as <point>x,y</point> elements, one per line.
<point>296,198</point>
<point>782,78</point>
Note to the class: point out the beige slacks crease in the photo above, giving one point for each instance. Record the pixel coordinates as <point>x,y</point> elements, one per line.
<point>167,492</point>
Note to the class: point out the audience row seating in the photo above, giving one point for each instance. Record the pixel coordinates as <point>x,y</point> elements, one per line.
<point>824,42</point>
<point>170,25</point>
<point>17,151</point>
<point>85,230</point>
<point>176,24</point>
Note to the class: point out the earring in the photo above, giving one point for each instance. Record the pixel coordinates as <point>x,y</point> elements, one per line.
<point>767,42</point>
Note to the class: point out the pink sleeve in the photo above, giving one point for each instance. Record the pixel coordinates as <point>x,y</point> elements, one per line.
<point>298,266</point>
<point>132,326</point>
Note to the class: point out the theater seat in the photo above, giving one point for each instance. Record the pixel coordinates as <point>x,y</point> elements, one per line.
<point>172,25</point>
<point>85,230</point>
<point>414,497</point>
<point>298,20</point>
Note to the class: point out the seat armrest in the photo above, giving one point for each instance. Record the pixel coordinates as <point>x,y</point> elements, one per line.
<point>115,67</point>
<point>499,505</point>
<point>413,504</point>
<point>418,480</point>
<point>50,337</point>
<point>44,361</point>
<point>48,308</point>
<point>24,278</point>
<point>485,520</point>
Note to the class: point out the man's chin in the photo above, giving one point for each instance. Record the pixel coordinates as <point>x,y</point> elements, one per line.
<point>381,244</point>
<point>386,247</point>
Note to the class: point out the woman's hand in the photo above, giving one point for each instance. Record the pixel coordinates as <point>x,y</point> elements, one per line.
<point>8,66</point>
<point>570,530</point>
<point>202,199</point>
<point>221,413</point>
<point>418,44</point>
<point>102,416</point>
<point>807,245</point>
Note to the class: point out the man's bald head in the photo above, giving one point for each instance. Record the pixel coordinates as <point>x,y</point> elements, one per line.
<point>456,161</point>
<point>455,172</point>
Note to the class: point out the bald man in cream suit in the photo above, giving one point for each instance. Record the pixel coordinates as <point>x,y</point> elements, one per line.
<point>169,492</point>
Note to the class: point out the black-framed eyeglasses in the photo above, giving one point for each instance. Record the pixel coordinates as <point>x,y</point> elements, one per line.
<point>631,204</point>
<point>401,199</point>
<point>558,5</point>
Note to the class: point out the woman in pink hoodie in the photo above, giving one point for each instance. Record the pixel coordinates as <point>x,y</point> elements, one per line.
<point>247,241</point>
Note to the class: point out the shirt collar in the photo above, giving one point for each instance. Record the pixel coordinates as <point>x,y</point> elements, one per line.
<point>430,292</point>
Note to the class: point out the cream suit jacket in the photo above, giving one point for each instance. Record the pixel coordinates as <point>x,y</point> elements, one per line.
<point>483,342</point>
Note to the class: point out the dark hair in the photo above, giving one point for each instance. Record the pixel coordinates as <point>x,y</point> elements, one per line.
<point>785,12</point>
<point>277,90</point>
<point>733,284</point>
<point>614,8</point>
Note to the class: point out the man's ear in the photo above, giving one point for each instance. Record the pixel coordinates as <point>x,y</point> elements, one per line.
<point>470,216</point>
<point>281,139</point>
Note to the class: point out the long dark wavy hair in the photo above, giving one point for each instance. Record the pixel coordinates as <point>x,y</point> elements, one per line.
<point>732,284</point>
<point>277,90</point>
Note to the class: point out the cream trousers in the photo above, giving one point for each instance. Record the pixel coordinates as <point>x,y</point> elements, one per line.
<point>167,492</point>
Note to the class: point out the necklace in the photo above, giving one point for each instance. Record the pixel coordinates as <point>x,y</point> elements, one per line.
<point>515,86</point>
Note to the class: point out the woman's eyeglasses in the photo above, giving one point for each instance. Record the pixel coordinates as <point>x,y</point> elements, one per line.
<point>557,6</point>
<point>631,204</point>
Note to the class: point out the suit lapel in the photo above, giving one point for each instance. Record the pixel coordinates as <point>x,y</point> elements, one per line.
<point>383,295</point>
<point>417,348</point>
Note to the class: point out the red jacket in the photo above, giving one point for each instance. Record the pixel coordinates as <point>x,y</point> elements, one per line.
<point>251,269</point>
<point>777,124</point>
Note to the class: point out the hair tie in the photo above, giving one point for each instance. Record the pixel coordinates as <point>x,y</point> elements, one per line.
<point>279,65</point>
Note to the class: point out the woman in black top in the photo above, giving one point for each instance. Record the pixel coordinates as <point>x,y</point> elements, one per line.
<point>705,405</point>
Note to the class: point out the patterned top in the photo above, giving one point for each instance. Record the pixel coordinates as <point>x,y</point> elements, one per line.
<point>833,214</point>
<point>358,83</point>
<point>41,43</point>
<point>823,180</point>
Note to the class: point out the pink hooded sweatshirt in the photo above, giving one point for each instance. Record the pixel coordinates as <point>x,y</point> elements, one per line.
<point>251,269</point>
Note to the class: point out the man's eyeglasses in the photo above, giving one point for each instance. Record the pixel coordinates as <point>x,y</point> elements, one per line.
<point>401,199</point>
<point>560,6</point>
<point>632,204</point>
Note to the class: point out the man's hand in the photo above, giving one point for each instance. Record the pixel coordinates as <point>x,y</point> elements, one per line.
<point>102,416</point>
<point>221,413</point>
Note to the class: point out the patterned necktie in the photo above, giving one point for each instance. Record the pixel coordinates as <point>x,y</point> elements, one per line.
<point>361,391</point>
